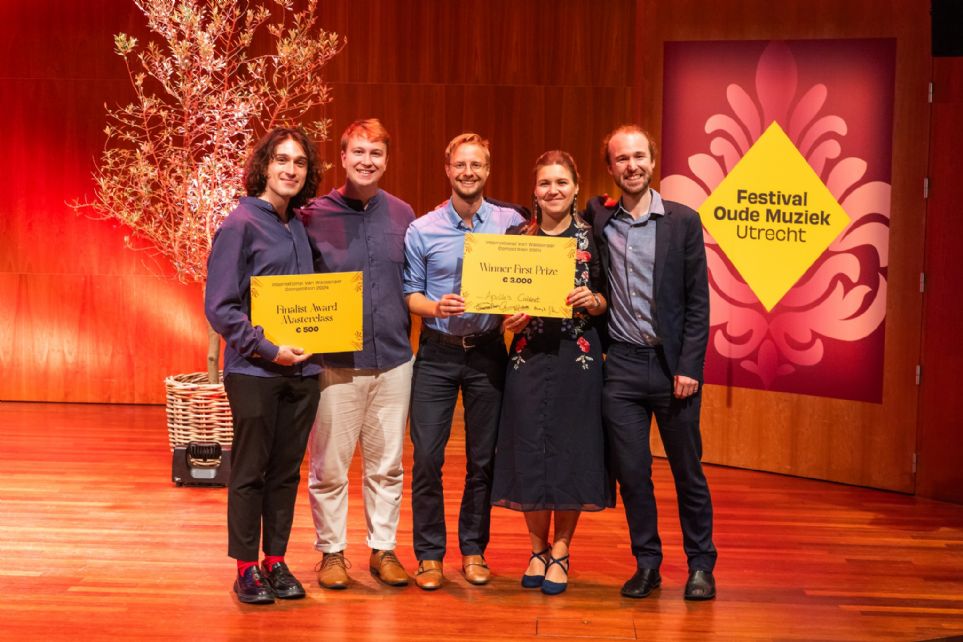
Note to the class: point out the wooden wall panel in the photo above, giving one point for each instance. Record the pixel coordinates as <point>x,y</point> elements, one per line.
<point>941,407</point>
<point>858,443</point>
<point>495,43</point>
<point>90,337</point>
<point>56,134</point>
<point>530,76</point>
<point>422,119</point>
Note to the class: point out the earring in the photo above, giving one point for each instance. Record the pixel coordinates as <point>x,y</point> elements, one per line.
<point>536,210</point>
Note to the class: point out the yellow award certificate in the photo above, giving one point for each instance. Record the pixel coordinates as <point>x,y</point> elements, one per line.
<point>317,312</point>
<point>505,274</point>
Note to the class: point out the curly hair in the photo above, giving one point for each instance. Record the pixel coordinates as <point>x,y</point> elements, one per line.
<point>255,170</point>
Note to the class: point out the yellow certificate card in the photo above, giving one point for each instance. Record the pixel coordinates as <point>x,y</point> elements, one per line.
<point>505,274</point>
<point>317,312</point>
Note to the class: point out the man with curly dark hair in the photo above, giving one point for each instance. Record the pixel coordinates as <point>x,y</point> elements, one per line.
<point>272,389</point>
<point>257,170</point>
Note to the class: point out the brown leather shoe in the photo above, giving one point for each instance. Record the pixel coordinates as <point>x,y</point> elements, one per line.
<point>476,569</point>
<point>429,575</point>
<point>386,567</point>
<point>333,571</point>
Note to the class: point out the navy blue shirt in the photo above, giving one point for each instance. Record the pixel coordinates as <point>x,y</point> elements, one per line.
<point>434,251</point>
<point>348,236</point>
<point>252,241</point>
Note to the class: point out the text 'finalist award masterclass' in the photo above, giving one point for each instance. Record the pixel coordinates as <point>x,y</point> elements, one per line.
<point>318,312</point>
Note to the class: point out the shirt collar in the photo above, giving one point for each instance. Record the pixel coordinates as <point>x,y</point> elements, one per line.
<point>352,204</point>
<point>477,218</point>
<point>656,207</point>
<point>261,205</point>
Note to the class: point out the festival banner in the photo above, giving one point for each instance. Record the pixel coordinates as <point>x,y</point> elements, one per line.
<point>318,312</point>
<point>785,150</point>
<point>507,274</point>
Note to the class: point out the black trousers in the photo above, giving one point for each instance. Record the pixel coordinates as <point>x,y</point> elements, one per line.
<point>272,419</point>
<point>638,385</point>
<point>440,371</point>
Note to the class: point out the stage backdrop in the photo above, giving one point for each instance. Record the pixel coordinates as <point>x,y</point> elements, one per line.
<point>845,439</point>
<point>784,147</point>
<point>84,319</point>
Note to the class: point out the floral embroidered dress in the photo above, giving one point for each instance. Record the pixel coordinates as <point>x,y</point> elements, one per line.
<point>550,453</point>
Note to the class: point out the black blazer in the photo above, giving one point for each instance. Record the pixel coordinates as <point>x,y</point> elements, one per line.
<point>681,282</point>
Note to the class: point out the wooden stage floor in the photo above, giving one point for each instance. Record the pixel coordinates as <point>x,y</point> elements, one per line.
<point>97,543</point>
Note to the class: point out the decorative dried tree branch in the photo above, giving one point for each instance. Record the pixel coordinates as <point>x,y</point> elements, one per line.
<point>171,166</point>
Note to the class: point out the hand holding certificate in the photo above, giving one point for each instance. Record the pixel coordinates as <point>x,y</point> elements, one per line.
<point>316,312</point>
<point>510,274</point>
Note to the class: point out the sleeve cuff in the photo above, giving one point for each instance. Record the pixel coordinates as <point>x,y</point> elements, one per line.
<point>267,350</point>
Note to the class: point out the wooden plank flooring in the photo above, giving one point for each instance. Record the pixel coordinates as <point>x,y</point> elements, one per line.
<point>96,543</point>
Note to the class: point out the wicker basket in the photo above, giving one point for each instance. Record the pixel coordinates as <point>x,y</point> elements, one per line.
<point>197,410</point>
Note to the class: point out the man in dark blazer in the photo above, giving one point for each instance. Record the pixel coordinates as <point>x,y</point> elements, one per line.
<point>654,259</point>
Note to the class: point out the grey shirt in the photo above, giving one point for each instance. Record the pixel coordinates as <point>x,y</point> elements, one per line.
<point>631,274</point>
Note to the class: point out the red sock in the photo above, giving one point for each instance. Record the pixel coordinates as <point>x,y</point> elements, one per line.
<point>242,566</point>
<point>271,560</point>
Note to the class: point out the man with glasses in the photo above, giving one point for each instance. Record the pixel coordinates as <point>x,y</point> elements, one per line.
<point>457,351</point>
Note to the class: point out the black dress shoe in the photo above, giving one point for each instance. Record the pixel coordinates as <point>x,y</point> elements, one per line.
<point>252,588</point>
<point>642,583</point>
<point>285,585</point>
<point>701,586</point>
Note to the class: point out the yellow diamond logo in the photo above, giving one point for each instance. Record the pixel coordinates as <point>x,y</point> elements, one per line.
<point>772,216</point>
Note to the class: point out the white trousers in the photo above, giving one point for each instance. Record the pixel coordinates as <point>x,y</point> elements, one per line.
<point>370,407</point>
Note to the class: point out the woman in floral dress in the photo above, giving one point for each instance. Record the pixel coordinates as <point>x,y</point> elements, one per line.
<point>550,455</point>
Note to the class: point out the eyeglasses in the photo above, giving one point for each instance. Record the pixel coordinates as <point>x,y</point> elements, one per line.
<point>461,166</point>
<point>284,159</point>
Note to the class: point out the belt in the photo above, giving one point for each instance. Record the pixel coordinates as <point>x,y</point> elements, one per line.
<point>466,342</point>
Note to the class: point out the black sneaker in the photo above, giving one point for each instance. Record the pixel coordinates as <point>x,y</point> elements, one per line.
<point>252,588</point>
<point>285,585</point>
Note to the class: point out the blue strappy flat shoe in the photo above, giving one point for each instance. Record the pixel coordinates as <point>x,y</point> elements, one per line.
<point>535,581</point>
<point>554,588</point>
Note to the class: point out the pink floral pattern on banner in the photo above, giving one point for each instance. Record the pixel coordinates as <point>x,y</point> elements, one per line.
<point>834,99</point>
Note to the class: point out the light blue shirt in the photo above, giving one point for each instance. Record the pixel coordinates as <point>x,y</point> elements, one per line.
<point>434,250</point>
<point>631,274</point>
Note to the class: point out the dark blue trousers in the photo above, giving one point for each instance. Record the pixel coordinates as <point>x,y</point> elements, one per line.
<point>637,386</point>
<point>440,371</point>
